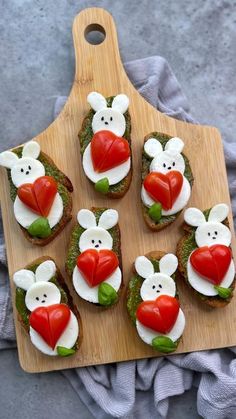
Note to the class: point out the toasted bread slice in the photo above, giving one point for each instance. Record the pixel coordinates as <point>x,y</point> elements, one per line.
<point>146,161</point>
<point>133,291</point>
<point>65,188</point>
<point>85,136</point>
<point>185,247</point>
<point>22,311</point>
<point>74,252</point>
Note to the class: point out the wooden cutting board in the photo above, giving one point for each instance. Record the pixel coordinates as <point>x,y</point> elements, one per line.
<point>108,334</point>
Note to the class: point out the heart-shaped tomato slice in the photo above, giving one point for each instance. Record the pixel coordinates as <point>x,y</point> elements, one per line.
<point>212,262</point>
<point>164,188</point>
<point>50,322</point>
<point>108,151</point>
<point>159,315</point>
<point>97,265</point>
<point>39,196</point>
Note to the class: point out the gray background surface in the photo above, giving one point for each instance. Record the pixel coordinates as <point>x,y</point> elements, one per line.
<point>197,37</point>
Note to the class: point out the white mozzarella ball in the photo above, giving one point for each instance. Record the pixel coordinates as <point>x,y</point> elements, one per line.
<point>42,294</point>
<point>156,285</point>
<point>95,238</point>
<point>26,170</point>
<point>109,120</point>
<point>211,233</point>
<point>167,161</point>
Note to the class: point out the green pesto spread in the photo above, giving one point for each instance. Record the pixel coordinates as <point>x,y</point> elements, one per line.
<point>86,135</point>
<point>20,297</point>
<point>50,170</point>
<point>189,246</point>
<point>146,161</point>
<point>74,251</point>
<point>134,297</point>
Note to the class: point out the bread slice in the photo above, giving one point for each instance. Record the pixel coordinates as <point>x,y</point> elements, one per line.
<point>135,283</point>
<point>22,311</point>
<point>65,188</point>
<point>185,247</point>
<point>85,136</point>
<point>146,161</point>
<point>74,252</point>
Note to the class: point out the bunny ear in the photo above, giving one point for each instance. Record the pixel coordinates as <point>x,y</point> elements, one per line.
<point>86,218</point>
<point>219,213</point>
<point>120,103</point>
<point>96,101</point>
<point>143,266</point>
<point>168,264</point>
<point>31,149</point>
<point>45,271</point>
<point>8,159</point>
<point>175,144</point>
<point>152,147</point>
<point>24,279</point>
<point>108,219</point>
<point>194,217</point>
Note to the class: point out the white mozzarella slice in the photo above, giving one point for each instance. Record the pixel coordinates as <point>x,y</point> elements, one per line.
<point>205,287</point>
<point>95,238</point>
<point>91,293</point>
<point>143,266</point>
<point>108,219</point>
<point>147,334</point>
<point>45,271</point>
<point>211,233</point>
<point>25,217</point>
<point>24,279</point>
<point>152,147</point>
<point>26,170</point>
<point>156,285</point>
<point>42,294</point>
<point>114,175</point>
<point>179,204</point>
<point>110,120</point>
<point>67,339</point>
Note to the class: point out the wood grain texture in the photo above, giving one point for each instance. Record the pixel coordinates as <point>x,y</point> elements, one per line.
<point>108,334</point>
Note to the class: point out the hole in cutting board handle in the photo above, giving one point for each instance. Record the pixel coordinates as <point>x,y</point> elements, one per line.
<point>94,34</point>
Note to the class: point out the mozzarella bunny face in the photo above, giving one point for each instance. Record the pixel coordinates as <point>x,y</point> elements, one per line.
<point>212,231</point>
<point>110,119</point>
<point>156,284</point>
<point>96,236</point>
<point>168,159</point>
<point>25,169</point>
<point>39,292</point>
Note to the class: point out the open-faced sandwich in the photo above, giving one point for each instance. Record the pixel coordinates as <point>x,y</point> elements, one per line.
<point>94,256</point>
<point>40,191</point>
<point>153,303</point>
<point>46,310</point>
<point>105,144</point>
<point>166,180</point>
<point>205,256</point>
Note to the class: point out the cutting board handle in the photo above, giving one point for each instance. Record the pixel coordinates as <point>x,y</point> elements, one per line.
<point>89,58</point>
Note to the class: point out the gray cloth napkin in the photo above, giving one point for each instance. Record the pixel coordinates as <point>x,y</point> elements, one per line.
<point>141,389</point>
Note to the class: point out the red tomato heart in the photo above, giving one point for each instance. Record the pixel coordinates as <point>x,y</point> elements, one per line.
<point>159,315</point>
<point>50,322</point>
<point>39,196</point>
<point>97,265</point>
<point>108,151</point>
<point>211,262</point>
<point>164,188</point>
